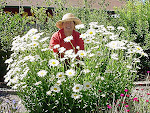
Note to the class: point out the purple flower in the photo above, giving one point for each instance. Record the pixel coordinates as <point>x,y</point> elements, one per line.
<point>122,95</point>
<point>126,90</point>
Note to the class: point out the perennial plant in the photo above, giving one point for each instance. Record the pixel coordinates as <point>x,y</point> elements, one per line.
<point>108,67</point>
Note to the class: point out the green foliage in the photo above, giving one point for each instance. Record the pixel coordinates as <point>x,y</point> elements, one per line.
<point>10,26</point>
<point>135,17</point>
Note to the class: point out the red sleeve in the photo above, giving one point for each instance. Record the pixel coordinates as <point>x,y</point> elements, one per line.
<point>53,41</point>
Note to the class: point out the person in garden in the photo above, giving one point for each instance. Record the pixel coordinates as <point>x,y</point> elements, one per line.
<point>67,28</point>
<point>66,38</point>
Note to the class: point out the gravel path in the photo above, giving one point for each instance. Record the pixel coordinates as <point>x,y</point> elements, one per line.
<point>11,102</point>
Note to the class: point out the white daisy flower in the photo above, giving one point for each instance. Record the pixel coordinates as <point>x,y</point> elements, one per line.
<point>7,78</point>
<point>80,26</point>
<point>68,39</point>
<point>14,79</point>
<point>42,73</point>
<point>121,28</point>
<point>93,24</point>
<point>55,89</point>
<point>60,75</point>
<point>77,88</point>
<point>87,85</point>
<point>69,52</point>
<point>34,44</point>
<point>29,57</point>
<point>36,36</point>
<point>91,32</point>
<point>78,47</point>
<point>58,83</point>
<point>138,49</point>
<point>24,86</point>
<point>86,71</point>
<point>48,93</point>
<point>144,54</point>
<point>9,60</point>
<point>103,95</point>
<point>76,96</point>
<point>83,36</point>
<point>114,56</point>
<point>37,83</point>
<point>129,66</point>
<point>102,78</point>
<point>70,73</point>
<point>56,46</point>
<point>116,45</point>
<point>53,62</point>
<point>110,27</point>
<point>88,40</point>
<point>99,53</point>
<point>61,49</point>
<point>136,60</point>
<point>91,55</point>
<point>81,53</point>
<point>32,31</point>
<point>113,37</point>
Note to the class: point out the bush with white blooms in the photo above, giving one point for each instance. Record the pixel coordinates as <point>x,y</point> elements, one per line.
<point>107,66</point>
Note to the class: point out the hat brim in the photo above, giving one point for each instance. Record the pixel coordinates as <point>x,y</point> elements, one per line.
<point>59,23</point>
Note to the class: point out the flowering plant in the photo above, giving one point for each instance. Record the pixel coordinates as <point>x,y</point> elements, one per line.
<point>45,85</point>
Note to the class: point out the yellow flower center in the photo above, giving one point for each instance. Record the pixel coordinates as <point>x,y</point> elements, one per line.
<point>77,87</point>
<point>42,73</point>
<point>138,48</point>
<point>90,32</point>
<point>70,73</point>
<point>87,85</point>
<point>53,62</point>
<point>34,44</point>
<point>55,88</point>
<point>82,54</point>
<point>60,75</point>
<point>35,37</point>
<point>75,95</point>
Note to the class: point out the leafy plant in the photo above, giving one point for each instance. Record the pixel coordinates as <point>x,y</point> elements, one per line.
<point>135,17</point>
<point>46,85</point>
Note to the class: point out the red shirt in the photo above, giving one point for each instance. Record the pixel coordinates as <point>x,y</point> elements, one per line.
<point>58,38</point>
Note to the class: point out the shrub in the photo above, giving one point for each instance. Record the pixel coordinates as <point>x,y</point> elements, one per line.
<point>135,17</point>
<point>45,85</point>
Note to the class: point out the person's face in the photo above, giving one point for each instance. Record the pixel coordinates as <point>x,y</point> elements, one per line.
<point>68,26</point>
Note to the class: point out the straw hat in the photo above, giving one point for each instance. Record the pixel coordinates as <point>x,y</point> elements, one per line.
<point>68,17</point>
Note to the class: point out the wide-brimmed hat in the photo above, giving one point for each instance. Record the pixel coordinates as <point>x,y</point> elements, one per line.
<point>68,17</point>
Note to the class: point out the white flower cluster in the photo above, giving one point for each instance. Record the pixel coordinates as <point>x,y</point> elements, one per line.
<point>18,67</point>
<point>33,61</point>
